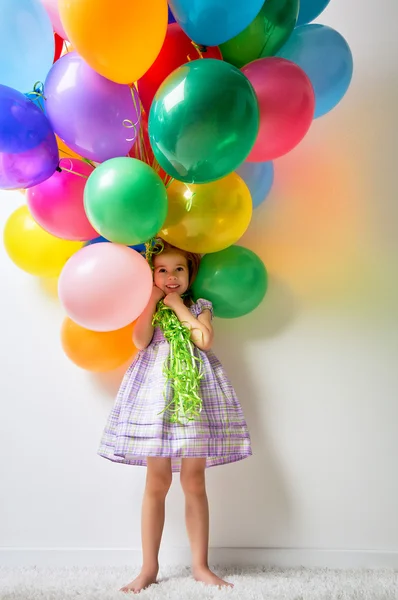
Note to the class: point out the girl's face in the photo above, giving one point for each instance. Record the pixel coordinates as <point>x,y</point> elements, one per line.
<point>171,273</point>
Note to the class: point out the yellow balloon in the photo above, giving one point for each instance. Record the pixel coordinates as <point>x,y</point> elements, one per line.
<point>207,217</point>
<point>120,39</point>
<point>33,249</point>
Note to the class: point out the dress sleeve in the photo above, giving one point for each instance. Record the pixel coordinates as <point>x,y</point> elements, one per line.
<point>201,305</point>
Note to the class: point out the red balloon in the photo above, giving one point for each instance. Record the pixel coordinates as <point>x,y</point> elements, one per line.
<point>287,103</point>
<point>177,49</point>
<point>59,44</point>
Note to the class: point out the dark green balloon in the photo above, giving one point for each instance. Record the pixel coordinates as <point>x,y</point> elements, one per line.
<point>203,121</point>
<point>265,35</point>
<point>234,280</point>
<point>125,201</point>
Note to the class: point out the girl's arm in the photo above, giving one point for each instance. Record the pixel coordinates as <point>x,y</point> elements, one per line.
<point>201,328</point>
<point>143,329</point>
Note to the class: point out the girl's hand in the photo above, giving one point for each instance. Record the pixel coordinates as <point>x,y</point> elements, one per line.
<point>157,294</point>
<point>173,300</point>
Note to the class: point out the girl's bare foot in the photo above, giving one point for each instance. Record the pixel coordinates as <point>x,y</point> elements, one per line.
<point>209,578</point>
<point>141,582</point>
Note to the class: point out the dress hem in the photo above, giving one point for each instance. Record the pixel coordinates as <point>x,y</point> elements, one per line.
<point>141,461</point>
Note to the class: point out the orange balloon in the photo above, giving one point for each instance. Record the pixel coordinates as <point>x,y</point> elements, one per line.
<point>97,350</point>
<point>120,39</point>
<point>64,151</point>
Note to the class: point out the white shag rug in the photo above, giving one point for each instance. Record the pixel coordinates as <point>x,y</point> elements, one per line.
<point>95,583</point>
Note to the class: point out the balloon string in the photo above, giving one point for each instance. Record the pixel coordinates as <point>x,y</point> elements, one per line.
<point>199,49</point>
<point>153,247</point>
<point>141,146</point>
<point>138,110</point>
<point>85,160</point>
<point>188,205</point>
<point>70,170</point>
<point>89,162</point>
<point>37,92</point>
<point>68,154</point>
<point>128,123</point>
<point>38,89</point>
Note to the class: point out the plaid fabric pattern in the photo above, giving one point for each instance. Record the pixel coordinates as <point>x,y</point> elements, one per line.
<point>135,430</point>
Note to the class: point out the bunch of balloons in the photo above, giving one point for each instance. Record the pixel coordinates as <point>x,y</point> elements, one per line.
<point>128,120</point>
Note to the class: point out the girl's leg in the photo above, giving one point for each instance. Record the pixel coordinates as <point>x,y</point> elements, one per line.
<point>197,518</point>
<point>158,482</point>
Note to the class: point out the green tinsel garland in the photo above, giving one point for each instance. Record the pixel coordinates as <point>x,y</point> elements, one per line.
<point>180,368</point>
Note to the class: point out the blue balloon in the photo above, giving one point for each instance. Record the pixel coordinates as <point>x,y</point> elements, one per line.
<point>96,240</point>
<point>171,18</point>
<point>259,178</point>
<point>28,148</point>
<point>22,125</point>
<point>310,10</point>
<point>326,57</point>
<point>26,44</point>
<point>139,247</point>
<point>212,22</point>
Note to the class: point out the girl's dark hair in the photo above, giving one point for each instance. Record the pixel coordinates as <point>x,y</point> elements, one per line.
<point>193,259</point>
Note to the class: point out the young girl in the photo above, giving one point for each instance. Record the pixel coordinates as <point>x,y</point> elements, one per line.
<point>140,431</point>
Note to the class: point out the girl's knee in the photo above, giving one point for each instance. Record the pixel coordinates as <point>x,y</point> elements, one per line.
<point>193,482</point>
<point>158,484</point>
<point>159,478</point>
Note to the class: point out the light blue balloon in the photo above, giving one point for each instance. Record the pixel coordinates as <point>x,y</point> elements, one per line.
<point>38,100</point>
<point>310,10</point>
<point>212,22</point>
<point>326,57</point>
<point>26,43</point>
<point>259,178</point>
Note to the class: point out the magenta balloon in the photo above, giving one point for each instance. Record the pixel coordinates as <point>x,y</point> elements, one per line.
<point>57,203</point>
<point>97,118</point>
<point>287,103</point>
<point>104,287</point>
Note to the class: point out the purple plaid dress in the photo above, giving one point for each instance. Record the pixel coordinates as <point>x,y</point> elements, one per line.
<point>136,429</point>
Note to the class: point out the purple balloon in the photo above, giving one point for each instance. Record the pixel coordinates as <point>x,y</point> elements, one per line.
<point>97,118</point>
<point>28,148</point>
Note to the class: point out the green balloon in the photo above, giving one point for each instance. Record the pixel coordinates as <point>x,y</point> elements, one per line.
<point>234,280</point>
<point>203,121</point>
<point>265,35</point>
<point>125,201</point>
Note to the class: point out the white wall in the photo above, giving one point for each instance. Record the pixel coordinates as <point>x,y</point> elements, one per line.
<point>314,366</point>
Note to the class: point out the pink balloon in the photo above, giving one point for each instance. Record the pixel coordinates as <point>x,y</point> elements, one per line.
<point>287,103</point>
<point>51,7</point>
<point>57,203</point>
<point>105,286</point>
